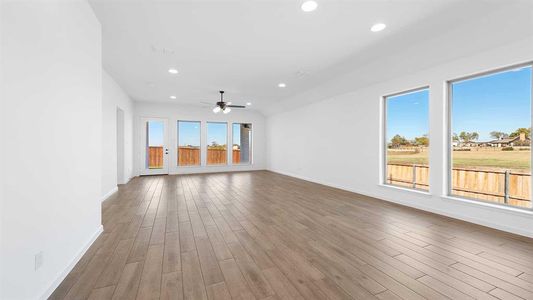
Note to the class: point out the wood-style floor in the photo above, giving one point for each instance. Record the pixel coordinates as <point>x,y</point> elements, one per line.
<point>260,235</point>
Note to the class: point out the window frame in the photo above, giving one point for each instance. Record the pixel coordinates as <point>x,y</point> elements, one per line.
<point>448,97</point>
<point>178,143</point>
<point>251,155</point>
<point>384,150</point>
<point>207,143</point>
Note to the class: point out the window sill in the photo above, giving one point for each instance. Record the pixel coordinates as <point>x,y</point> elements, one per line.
<point>188,167</point>
<point>399,188</point>
<point>492,206</point>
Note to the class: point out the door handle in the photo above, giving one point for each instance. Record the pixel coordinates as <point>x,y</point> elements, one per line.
<point>166,151</point>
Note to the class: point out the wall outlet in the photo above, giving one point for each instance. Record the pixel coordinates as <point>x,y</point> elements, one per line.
<point>39,260</point>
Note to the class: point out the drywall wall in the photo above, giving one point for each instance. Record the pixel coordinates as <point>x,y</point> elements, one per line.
<point>175,112</point>
<point>51,79</point>
<point>2,143</point>
<point>113,98</point>
<point>339,140</point>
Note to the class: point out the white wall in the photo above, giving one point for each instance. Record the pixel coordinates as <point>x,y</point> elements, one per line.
<point>114,97</point>
<point>51,78</point>
<point>346,129</point>
<point>2,157</point>
<point>175,112</point>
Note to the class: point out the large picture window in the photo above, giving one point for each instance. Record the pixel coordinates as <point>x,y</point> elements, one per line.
<point>189,143</point>
<point>217,140</point>
<point>490,137</point>
<point>242,143</point>
<point>407,140</point>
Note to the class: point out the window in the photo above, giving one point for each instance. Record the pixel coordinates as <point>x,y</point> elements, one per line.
<point>242,143</point>
<point>490,137</point>
<point>217,139</point>
<point>407,140</point>
<point>189,143</point>
<point>155,131</point>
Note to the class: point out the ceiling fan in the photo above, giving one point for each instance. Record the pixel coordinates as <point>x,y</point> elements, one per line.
<point>225,107</point>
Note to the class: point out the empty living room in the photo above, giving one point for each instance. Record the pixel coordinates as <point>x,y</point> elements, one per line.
<point>266,149</point>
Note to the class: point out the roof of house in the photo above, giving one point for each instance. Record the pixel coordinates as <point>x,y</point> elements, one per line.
<point>506,140</point>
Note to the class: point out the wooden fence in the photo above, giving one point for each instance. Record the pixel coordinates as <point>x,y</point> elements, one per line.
<point>216,156</point>
<point>155,157</point>
<point>508,187</point>
<point>190,156</point>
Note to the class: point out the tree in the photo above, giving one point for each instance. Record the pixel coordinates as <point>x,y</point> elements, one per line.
<point>398,141</point>
<point>517,132</point>
<point>422,140</point>
<point>498,135</point>
<point>455,137</point>
<point>468,137</point>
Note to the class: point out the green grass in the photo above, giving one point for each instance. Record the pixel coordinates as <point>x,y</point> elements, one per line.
<point>514,160</point>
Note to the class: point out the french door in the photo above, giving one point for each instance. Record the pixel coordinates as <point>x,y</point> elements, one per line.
<point>155,158</point>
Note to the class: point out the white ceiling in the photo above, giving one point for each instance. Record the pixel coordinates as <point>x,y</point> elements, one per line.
<point>247,47</point>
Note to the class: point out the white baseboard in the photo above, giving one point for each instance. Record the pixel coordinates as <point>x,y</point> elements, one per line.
<point>108,194</point>
<point>71,265</point>
<point>483,222</point>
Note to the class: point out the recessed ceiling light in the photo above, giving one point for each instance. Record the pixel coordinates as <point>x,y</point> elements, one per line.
<point>282,85</point>
<point>172,97</point>
<point>377,27</point>
<point>248,103</point>
<point>309,6</point>
<point>173,71</point>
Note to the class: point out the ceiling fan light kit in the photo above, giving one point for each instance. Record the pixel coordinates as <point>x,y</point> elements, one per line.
<point>225,107</point>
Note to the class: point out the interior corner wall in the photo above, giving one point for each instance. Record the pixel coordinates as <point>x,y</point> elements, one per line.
<point>51,100</point>
<point>339,139</point>
<point>175,112</point>
<point>113,98</point>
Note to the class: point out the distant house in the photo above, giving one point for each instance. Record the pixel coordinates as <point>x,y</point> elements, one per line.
<point>521,140</point>
<point>467,144</point>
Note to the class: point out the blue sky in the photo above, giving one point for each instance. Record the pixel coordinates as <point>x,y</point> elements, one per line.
<point>155,133</point>
<point>217,132</point>
<point>236,134</point>
<point>407,115</point>
<point>189,133</point>
<point>497,102</point>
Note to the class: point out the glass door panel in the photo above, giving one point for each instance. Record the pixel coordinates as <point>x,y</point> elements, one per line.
<point>155,156</point>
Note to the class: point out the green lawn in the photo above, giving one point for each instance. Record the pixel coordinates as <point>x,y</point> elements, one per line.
<point>515,160</point>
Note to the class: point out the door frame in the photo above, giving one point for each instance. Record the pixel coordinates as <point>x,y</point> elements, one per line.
<point>166,162</point>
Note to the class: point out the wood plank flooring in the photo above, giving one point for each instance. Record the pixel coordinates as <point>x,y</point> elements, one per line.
<point>261,235</point>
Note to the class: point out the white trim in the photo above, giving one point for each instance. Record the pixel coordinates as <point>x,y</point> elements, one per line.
<point>482,222</point>
<point>216,169</point>
<point>406,189</point>
<point>72,264</point>
<point>496,206</point>
<point>108,194</point>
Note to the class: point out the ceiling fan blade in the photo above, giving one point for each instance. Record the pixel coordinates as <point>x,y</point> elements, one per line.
<point>236,106</point>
